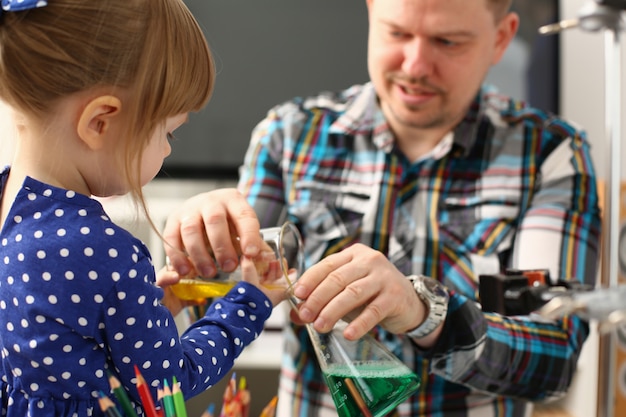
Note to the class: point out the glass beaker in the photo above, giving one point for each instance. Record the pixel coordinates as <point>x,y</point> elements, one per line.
<point>363,376</point>
<point>281,258</point>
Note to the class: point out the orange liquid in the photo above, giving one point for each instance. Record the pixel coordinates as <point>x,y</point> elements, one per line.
<point>194,289</point>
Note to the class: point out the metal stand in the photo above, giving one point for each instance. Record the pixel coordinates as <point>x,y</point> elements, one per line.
<point>594,16</point>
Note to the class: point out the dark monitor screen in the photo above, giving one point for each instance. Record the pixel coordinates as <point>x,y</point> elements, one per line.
<point>269,51</point>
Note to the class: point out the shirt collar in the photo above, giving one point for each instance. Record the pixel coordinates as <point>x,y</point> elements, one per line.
<point>363,115</point>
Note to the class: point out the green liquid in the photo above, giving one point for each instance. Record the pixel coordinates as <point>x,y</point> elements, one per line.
<point>381,385</point>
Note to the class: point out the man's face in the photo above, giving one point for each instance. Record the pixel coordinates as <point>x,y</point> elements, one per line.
<point>427,58</point>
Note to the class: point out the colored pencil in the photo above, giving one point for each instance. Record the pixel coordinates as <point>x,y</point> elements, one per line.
<point>209,411</point>
<point>107,406</point>
<point>145,395</point>
<point>179,399</point>
<point>357,397</point>
<point>270,409</point>
<point>122,397</point>
<point>168,401</point>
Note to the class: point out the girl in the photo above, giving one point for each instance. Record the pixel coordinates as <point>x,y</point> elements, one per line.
<point>98,87</point>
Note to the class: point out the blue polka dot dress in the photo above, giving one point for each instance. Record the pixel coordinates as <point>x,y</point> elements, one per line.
<point>78,298</point>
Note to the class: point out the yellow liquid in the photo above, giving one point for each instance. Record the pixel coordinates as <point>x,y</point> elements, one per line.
<point>194,289</point>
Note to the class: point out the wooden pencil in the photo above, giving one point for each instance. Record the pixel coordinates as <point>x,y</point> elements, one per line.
<point>179,399</point>
<point>270,409</point>
<point>122,397</point>
<point>168,401</point>
<point>357,397</point>
<point>145,395</point>
<point>107,406</point>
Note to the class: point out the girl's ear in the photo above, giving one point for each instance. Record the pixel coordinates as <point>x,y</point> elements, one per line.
<point>96,119</point>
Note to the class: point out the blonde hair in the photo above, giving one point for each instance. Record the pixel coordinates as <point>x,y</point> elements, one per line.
<point>154,49</point>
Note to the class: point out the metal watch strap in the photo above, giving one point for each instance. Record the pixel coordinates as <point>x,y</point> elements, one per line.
<point>435,296</point>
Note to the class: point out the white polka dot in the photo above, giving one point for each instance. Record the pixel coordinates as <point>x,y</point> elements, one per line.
<point>111,311</point>
<point>146,365</point>
<point>32,344</point>
<point>61,232</point>
<point>141,300</point>
<point>130,321</point>
<point>121,295</point>
<point>47,192</point>
<point>18,237</point>
<point>48,360</point>
<point>64,252</point>
<point>41,254</point>
<point>138,344</point>
<point>118,336</point>
<point>69,275</point>
<point>109,231</point>
<point>30,299</point>
<point>32,196</point>
<point>20,257</point>
<point>115,276</point>
<point>40,319</point>
<point>37,215</point>
<point>38,234</point>
<point>75,298</point>
<point>241,313</point>
<point>132,273</point>
<point>82,212</point>
<point>88,251</point>
<point>52,299</point>
<point>113,253</point>
<point>66,375</point>
<point>166,364</point>
<point>67,348</point>
<point>10,326</point>
<point>84,230</point>
<point>24,323</point>
<point>70,194</point>
<point>98,298</point>
<point>54,337</point>
<point>93,275</point>
<point>46,276</point>
<point>83,321</point>
<point>34,386</point>
<point>59,212</point>
<point>17,219</point>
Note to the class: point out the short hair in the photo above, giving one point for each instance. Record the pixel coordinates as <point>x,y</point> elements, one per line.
<point>499,8</point>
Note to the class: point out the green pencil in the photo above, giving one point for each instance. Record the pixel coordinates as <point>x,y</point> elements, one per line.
<point>168,401</point>
<point>179,399</point>
<point>122,397</point>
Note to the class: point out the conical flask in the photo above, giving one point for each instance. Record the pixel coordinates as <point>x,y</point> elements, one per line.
<point>363,376</point>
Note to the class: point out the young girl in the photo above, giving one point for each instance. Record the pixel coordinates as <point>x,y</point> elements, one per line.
<point>98,87</point>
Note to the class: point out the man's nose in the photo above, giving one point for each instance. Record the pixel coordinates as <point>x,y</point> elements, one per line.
<point>418,58</point>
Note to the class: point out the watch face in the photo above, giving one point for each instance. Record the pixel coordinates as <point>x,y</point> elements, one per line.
<point>435,287</point>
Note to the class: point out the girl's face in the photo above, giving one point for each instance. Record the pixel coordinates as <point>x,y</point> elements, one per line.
<point>159,147</point>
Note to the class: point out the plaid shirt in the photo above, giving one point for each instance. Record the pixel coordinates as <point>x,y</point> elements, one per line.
<point>510,187</point>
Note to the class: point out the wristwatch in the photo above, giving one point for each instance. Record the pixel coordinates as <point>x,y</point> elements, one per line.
<point>435,295</point>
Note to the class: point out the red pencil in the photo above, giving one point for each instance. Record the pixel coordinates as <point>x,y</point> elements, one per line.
<point>145,395</point>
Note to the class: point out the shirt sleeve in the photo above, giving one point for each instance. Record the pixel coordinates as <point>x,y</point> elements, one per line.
<point>528,356</point>
<point>140,331</point>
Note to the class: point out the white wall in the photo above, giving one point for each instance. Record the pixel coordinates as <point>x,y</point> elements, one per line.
<point>583,102</point>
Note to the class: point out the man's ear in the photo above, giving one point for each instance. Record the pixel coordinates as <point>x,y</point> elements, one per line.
<point>96,119</point>
<point>506,30</point>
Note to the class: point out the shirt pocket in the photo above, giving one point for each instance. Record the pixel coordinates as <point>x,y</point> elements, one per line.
<point>479,225</point>
<point>328,215</point>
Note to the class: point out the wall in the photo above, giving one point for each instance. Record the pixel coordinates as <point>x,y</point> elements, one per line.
<point>582,101</point>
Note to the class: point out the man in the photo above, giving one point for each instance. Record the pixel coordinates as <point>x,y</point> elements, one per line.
<point>422,172</point>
